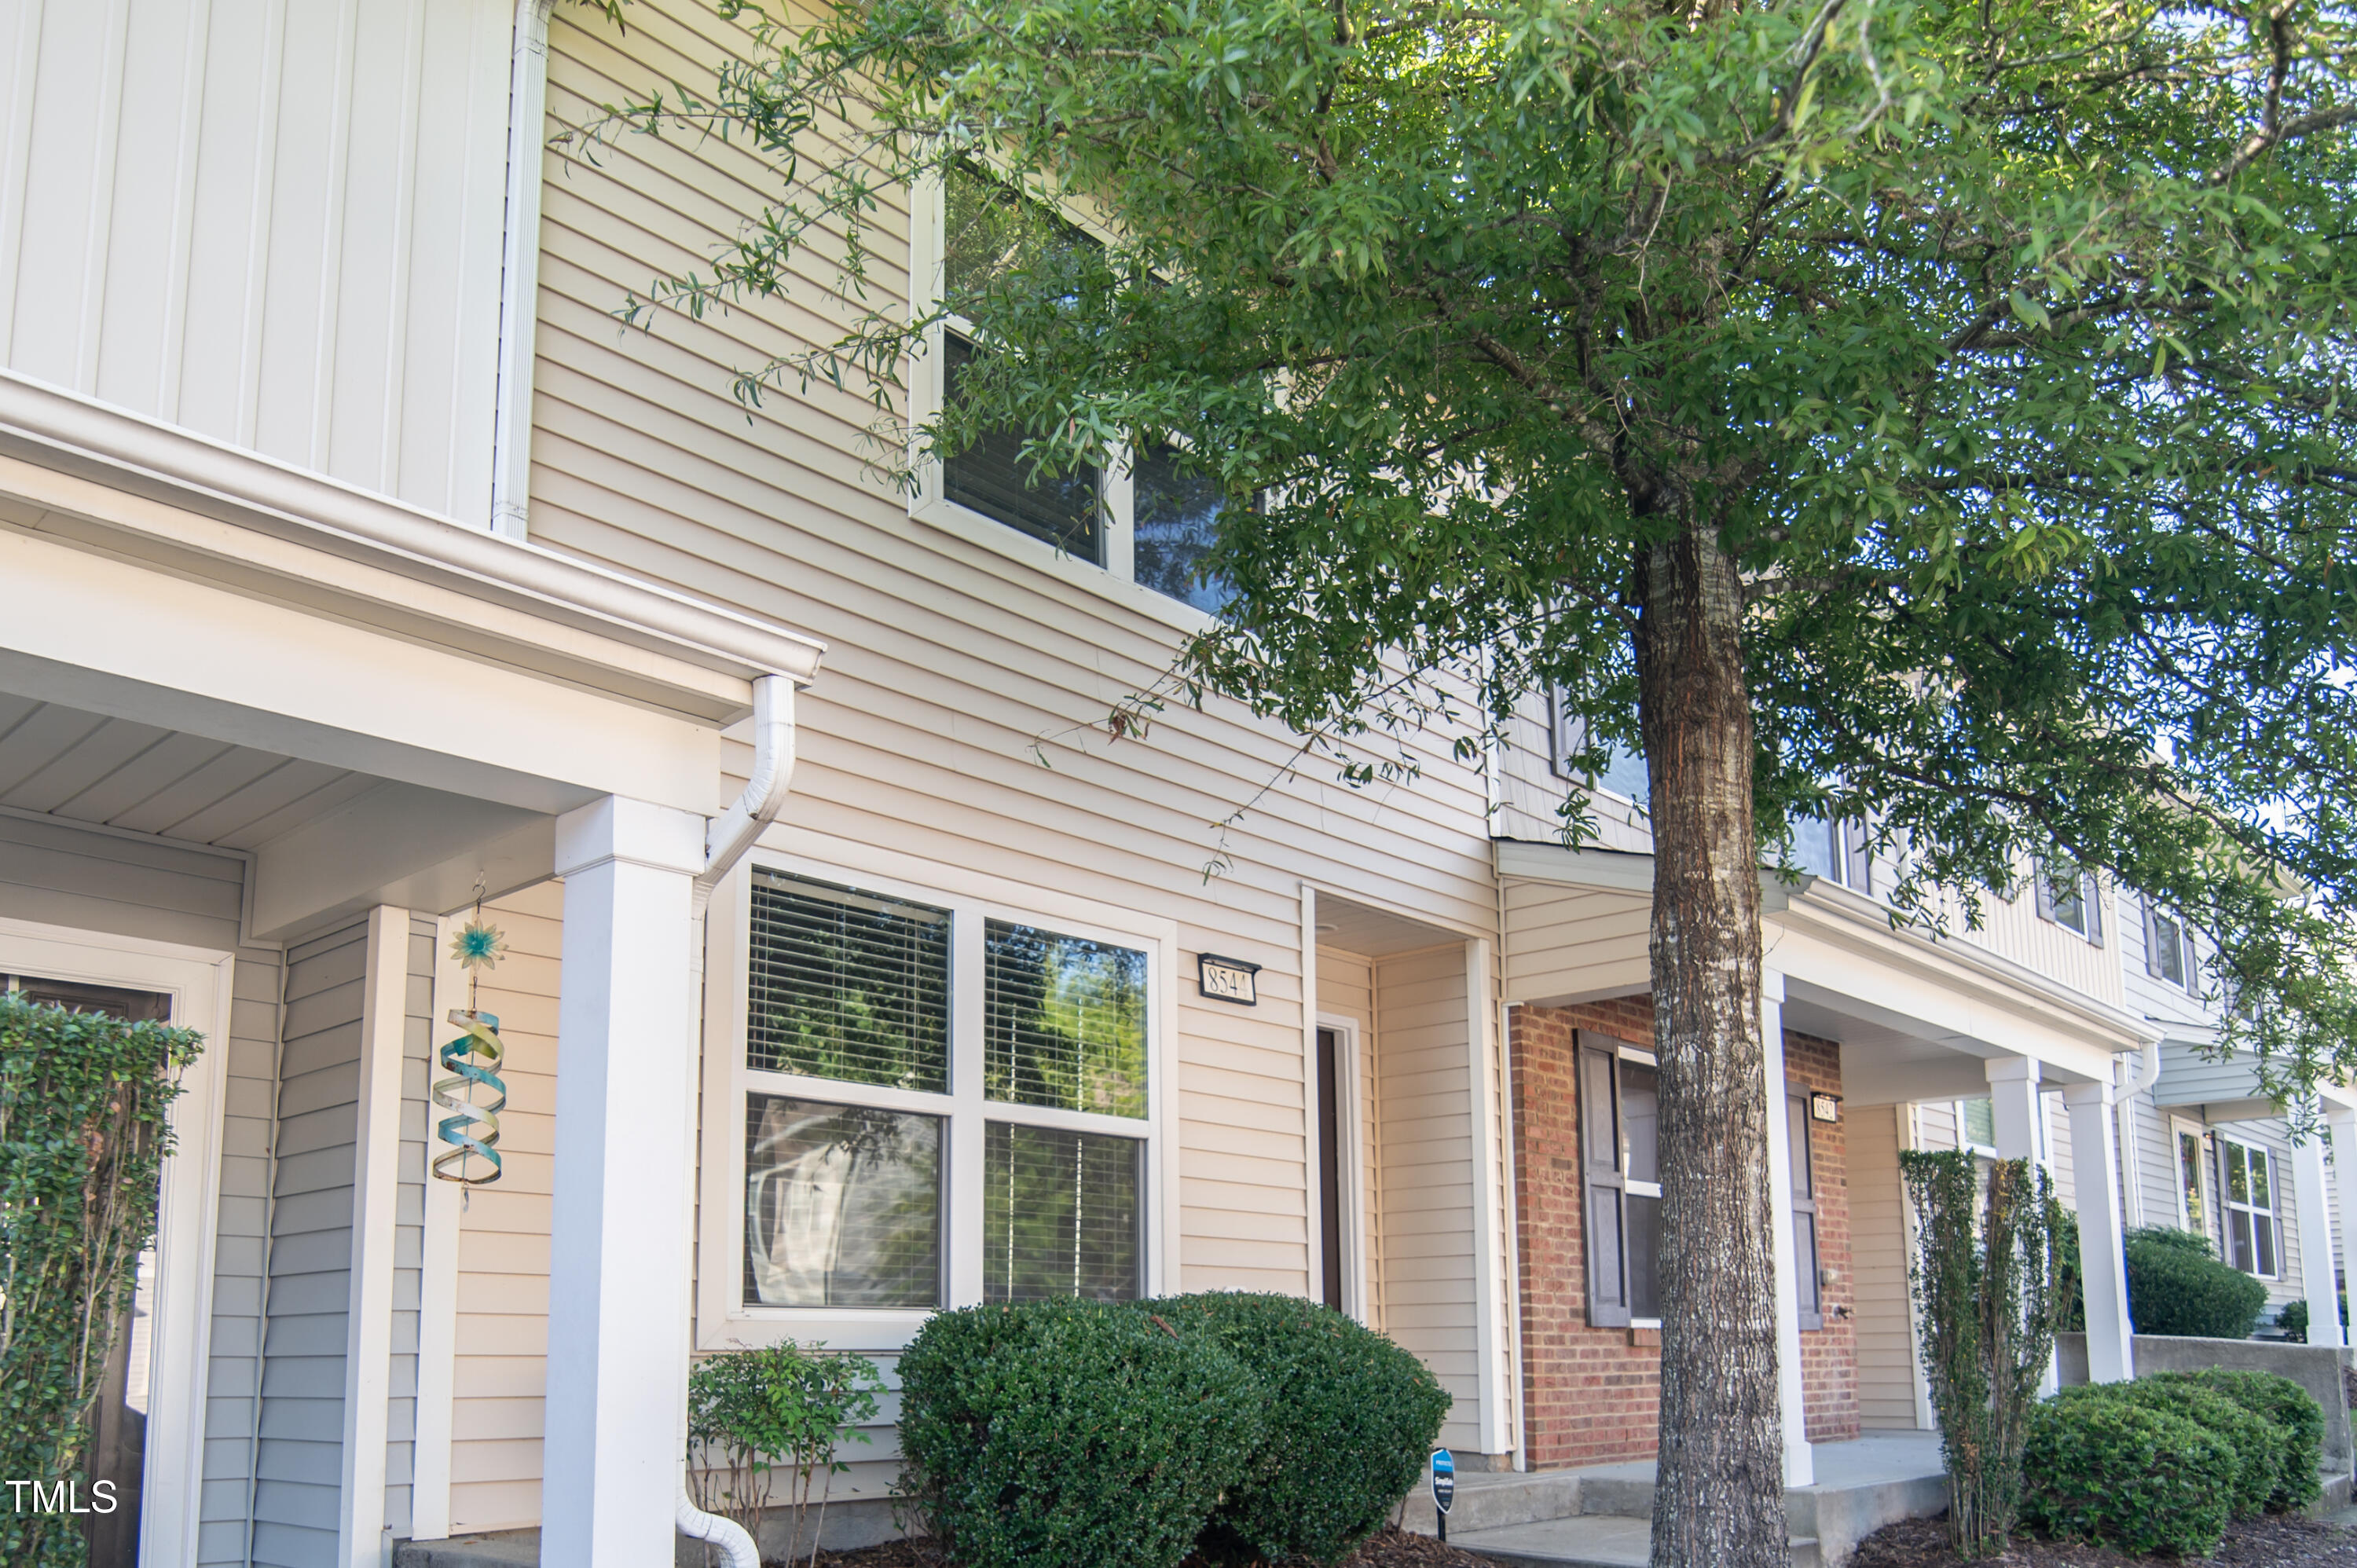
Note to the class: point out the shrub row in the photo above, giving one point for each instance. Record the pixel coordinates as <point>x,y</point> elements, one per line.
<point>2178,1285</point>
<point>2160,1464</point>
<point>1073,1435</point>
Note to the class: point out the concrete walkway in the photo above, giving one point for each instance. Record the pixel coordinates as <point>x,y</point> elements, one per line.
<point>1601,1517</point>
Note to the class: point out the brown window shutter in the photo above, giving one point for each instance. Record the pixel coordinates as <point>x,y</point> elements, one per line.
<point>1602,1189</point>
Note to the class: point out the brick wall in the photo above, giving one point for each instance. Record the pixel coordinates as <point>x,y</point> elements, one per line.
<point>1591,1396</point>
<point>1828,1355</point>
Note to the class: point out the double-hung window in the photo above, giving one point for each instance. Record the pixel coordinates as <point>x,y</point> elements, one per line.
<point>1977,1125</point>
<point>1148,517</point>
<point>2247,1199</point>
<point>941,1102</point>
<point>1619,1146</point>
<point>2070,899</point>
<point>1837,849</point>
<point>2168,947</point>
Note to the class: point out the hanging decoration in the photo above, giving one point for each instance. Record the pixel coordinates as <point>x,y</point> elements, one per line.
<point>474,1094</point>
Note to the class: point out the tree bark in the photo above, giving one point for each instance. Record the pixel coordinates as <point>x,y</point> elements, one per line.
<point>1719,1500</point>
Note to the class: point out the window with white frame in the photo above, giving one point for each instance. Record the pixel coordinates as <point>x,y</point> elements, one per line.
<point>865,1074</point>
<point>1151,518</point>
<point>2070,899</point>
<point>1624,773</point>
<point>1977,1125</point>
<point>1837,849</point>
<point>1620,1148</point>
<point>2246,1194</point>
<point>2192,1205</point>
<point>2168,947</point>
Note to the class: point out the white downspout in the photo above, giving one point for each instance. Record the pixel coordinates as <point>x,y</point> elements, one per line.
<point>2146,1073</point>
<point>725,841</point>
<point>520,271</point>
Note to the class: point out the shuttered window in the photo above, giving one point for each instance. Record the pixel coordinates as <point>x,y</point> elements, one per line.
<point>2071,901</point>
<point>863,1073</point>
<point>1806,1279</point>
<point>847,985</point>
<point>2168,951</point>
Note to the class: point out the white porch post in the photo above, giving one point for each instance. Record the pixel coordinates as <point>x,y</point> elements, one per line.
<point>1800,1459</point>
<point>2307,1180</point>
<point>2102,1277</point>
<point>2017,1115</point>
<point>2342,1120</point>
<point>620,1221</point>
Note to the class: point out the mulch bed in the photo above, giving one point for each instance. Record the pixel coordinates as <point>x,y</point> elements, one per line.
<point>2276,1542</point>
<point>1388,1547</point>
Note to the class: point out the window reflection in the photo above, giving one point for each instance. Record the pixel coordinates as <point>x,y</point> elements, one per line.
<point>842,1205</point>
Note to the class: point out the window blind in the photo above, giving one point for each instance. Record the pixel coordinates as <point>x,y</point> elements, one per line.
<point>848,985</point>
<point>1063,1021</point>
<point>843,1205</point>
<point>1059,1215</point>
<point>991,476</point>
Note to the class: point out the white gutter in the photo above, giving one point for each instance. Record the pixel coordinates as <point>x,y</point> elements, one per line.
<point>520,271</point>
<point>725,841</point>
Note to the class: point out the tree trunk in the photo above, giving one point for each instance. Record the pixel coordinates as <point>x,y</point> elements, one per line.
<point>1719,1502</point>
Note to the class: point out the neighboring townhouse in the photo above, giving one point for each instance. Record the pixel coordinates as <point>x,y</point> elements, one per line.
<point>365,573</point>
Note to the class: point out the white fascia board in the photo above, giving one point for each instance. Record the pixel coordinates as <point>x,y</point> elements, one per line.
<point>219,512</point>
<point>1613,870</point>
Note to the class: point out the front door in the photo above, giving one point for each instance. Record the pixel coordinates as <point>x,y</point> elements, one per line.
<point>118,1448</point>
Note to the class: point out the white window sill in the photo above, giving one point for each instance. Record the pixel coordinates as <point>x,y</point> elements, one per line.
<point>1014,544</point>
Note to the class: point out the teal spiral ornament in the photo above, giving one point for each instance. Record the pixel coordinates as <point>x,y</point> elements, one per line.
<point>473,1129</point>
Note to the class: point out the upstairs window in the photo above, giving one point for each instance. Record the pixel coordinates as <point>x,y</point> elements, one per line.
<point>1177,522</point>
<point>1624,774</point>
<point>2167,948</point>
<point>2070,899</point>
<point>1836,850</point>
<point>992,477</point>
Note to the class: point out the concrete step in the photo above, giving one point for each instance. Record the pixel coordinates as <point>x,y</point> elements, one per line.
<point>1588,1541</point>
<point>1491,1499</point>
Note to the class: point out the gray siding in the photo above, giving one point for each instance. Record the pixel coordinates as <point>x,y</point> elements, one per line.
<point>409,1226</point>
<point>297,1495</point>
<point>61,874</point>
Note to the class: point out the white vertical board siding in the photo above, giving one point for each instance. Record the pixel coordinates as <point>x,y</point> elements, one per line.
<point>1878,1289</point>
<point>502,1315</point>
<point>1346,989</point>
<point>59,873</point>
<point>409,1225</point>
<point>296,1490</point>
<point>274,222</point>
<point>1429,1248</point>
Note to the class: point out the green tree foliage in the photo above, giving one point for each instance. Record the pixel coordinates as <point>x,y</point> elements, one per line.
<point>1933,412</point>
<point>2178,1285</point>
<point>779,1407</point>
<point>1988,1253</point>
<point>83,1138</point>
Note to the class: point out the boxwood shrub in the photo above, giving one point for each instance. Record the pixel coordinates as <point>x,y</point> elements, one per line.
<point>2257,1443</point>
<point>2125,1474</point>
<point>1351,1418</point>
<point>2177,1285</point>
<point>1065,1433</point>
<point>2293,1411</point>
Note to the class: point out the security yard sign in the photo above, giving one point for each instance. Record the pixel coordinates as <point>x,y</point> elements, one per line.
<point>1444,1484</point>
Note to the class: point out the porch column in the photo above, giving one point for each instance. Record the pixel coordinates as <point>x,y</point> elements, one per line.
<point>2307,1180</point>
<point>2016,1114</point>
<point>1800,1460</point>
<point>2102,1276</point>
<point>620,1221</point>
<point>2341,1121</point>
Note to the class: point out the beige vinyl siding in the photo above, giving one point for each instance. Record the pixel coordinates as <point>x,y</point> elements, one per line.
<point>1576,942</point>
<point>2156,1156</point>
<point>297,1492</point>
<point>276,223</point>
<point>501,1331</point>
<point>1346,989</point>
<point>1430,1252</point>
<point>409,1225</point>
<point>57,874</point>
<point>1879,1251</point>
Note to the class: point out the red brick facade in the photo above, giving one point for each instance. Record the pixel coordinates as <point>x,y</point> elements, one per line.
<point>1590,1395</point>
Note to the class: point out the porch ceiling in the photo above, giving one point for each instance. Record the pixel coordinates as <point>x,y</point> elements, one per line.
<point>1347,926</point>
<point>85,767</point>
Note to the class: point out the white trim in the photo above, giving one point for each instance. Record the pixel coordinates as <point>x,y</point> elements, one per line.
<point>2178,1125</point>
<point>722,1320</point>
<point>520,271</point>
<point>200,983</point>
<point>376,1189</point>
<point>1489,1213</point>
<point>437,1322</point>
<point>1351,1157</point>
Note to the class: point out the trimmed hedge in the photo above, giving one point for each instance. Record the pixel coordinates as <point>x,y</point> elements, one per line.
<point>2292,1410</point>
<point>1071,1432</point>
<point>2257,1442</point>
<point>2116,1471</point>
<point>1351,1419</point>
<point>2176,1285</point>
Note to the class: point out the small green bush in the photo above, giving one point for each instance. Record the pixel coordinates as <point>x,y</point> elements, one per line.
<point>2114,1471</point>
<point>2293,1321</point>
<point>2292,1410</point>
<point>2256,1441</point>
<point>1352,1418</point>
<point>774,1407</point>
<point>1070,1435</point>
<point>2176,1287</point>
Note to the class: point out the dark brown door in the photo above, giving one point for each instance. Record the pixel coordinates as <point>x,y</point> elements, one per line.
<point>1330,1165</point>
<point>118,1446</point>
